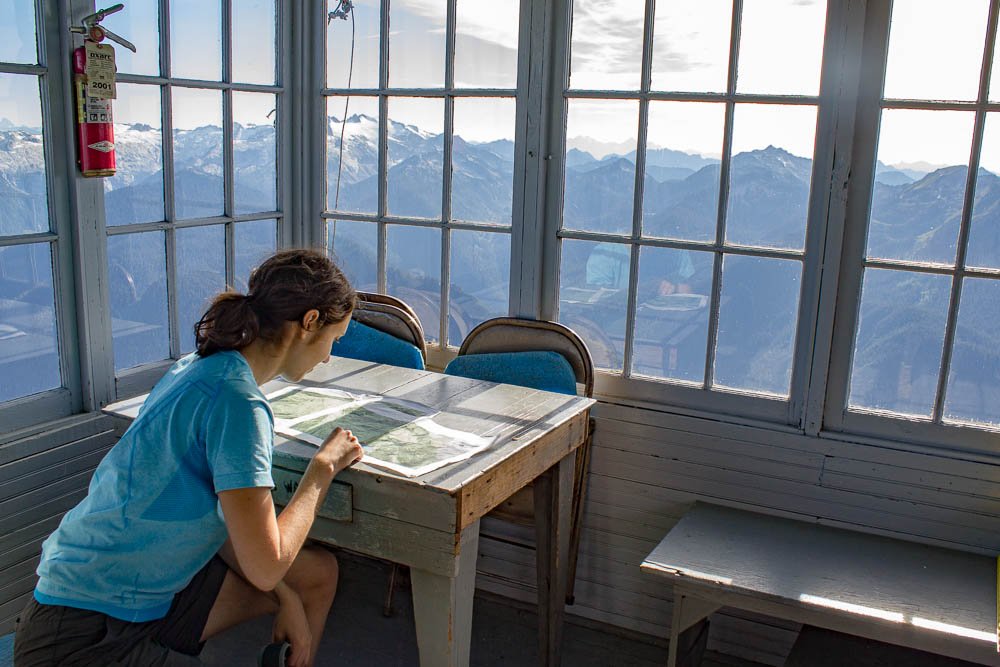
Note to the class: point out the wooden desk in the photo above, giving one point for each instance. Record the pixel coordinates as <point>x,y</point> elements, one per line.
<point>930,598</point>
<point>431,523</point>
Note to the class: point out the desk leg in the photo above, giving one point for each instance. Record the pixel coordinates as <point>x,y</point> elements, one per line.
<point>553,510</point>
<point>688,611</point>
<point>442,607</point>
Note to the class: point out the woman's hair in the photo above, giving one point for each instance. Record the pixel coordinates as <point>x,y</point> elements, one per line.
<point>282,289</point>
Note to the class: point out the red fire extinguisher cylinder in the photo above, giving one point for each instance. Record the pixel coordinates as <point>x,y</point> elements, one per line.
<point>95,125</point>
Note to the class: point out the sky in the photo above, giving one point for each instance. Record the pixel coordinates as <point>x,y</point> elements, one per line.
<point>934,53</point>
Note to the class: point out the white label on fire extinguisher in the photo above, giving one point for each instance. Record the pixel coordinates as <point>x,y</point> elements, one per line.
<point>100,70</point>
<point>99,111</point>
<point>103,146</point>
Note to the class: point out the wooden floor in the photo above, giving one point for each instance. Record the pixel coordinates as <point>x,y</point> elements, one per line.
<point>502,633</point>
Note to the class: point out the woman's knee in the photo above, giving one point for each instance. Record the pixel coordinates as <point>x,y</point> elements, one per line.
<point>315,571</point>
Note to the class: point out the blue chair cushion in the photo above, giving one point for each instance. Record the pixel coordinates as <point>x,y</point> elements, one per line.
<point>541,369</point>
<point>7,650</point>
<point>361,341</point>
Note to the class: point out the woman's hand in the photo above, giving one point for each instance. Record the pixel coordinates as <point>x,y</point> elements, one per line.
<point>340,450</point>
<point>292,626</point>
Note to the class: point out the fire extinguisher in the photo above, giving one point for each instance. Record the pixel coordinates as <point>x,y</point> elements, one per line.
<point>94,84</point>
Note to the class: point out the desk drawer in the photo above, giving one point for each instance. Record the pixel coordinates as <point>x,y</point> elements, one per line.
<point>339,502</point>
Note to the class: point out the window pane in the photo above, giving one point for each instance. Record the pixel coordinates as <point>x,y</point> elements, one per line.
<point>135,192</point>
<point>416,156</point>
<point>600,165</point>
<point>416,44</point>
<point>606,46</point>
<point>757,320</point>
<point>935,49</point>
<point>254,242</point>
<point>984,236</point>
<point>671,319</point>
<point>486,43</point>
<point>255,173</point>
<point>995,77</point>
<point>770,175</point>
<point>918,218</point>
<point>480,280</point>
<point>354,248</point>
<point>691,46</point>
<point>483,160</point>
<point>593,297</point>
<point>681,193</point>
<point>781,47</point>
<point>201,274</point>
<point>414,273</point>
<point>198,169</point>
<point>196,39</point>
<point>29,352</point>
<point>361,71</point>
<point>253,41</point>
<point>897,353</point>
<point>23,201</point>
<point>352,183</point>
<point>137,283</point>
<point>17,33</point>
<point>974,377</point>
<point>139,23</point>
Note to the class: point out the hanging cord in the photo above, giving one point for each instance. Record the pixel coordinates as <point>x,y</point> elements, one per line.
<point>342,11</point>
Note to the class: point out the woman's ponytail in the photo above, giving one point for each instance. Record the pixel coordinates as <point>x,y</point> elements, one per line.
<point>230,323</point>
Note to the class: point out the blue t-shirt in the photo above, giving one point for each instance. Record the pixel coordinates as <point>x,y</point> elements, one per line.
<point>151,519</point>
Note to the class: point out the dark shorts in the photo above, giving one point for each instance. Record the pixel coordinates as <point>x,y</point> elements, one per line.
<point>56,635</point>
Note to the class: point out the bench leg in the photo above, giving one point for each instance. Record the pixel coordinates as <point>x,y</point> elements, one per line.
<point>688,611</point>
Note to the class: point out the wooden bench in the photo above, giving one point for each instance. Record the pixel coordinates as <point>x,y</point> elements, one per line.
<point>929,598</point>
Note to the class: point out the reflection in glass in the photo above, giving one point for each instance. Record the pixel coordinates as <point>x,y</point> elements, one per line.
<point>29,352</point>
<point>253,241</point>
<point>935,49</point>
<point>137,276</point>
<point>198,163</point>
<point>416,44</point>
<point>352,183</point>
<point>253,41</point>
<point>973,393</point>
<point>600,165</point>
<point>593,297</point>
<point>362,72</point>
<point>771,31</point>
<point>897,353</point>
<point>480,280</point>
<point>354,247</point>
<point>607,46</point>
<point>984,235</point>
<point>758,312</point>
<point>413,273</point>
<point>24,204</point>
<point>691,46</point>
<point>201,274</point>
<point>196,39</point>
<point>671,319</point>
<point>482,183</point>
<point>486,43</point>
<point>681,194</point>
<point>919,190</point>
<point>17,34</point>
<point>770,175</point>
<point>135,192</point>
<point>416,156</point>
<point>255,116</point>
<point>139,23</point>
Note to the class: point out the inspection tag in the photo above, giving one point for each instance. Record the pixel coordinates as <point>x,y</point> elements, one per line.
<point>100,70</point>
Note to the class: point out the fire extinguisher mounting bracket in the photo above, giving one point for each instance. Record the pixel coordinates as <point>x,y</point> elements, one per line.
<point>89,25</point>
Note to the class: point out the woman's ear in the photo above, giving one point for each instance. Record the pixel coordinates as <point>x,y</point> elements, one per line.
<point>310,321</point>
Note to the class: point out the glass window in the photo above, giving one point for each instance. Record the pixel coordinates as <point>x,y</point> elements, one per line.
<point>17,32</point>
<point>137,275</point>
<point>135,192</point>
<point>24,205</point>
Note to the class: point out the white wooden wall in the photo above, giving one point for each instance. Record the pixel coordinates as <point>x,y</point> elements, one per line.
<point>648,467</point>
<point>42,476</point>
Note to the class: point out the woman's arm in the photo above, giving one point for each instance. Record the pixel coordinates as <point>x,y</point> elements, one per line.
<point>265,545</point>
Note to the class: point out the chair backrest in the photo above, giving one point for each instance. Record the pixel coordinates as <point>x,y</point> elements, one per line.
<point>515,335</point>
<point>385,330</point>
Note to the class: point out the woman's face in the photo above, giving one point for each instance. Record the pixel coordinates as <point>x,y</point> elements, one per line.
<point>312,348</point>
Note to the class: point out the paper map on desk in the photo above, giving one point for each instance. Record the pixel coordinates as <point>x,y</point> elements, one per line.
<point>395,434</point>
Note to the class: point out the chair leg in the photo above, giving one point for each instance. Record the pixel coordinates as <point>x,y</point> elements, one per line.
<point>576,527</point>
<point>387,607</point>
